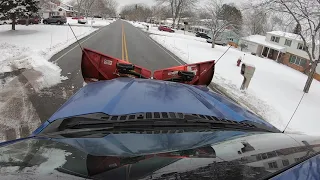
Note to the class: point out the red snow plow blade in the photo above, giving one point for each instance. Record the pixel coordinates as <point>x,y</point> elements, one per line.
<point>97,66</point>
<point>195,74</point>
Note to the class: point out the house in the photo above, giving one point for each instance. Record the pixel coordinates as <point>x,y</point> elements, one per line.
<point>283,47</point>
<point>66,10</point>
<point>56,8</point>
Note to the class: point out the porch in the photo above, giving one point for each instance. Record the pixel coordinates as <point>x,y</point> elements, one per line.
<point>275,52</point>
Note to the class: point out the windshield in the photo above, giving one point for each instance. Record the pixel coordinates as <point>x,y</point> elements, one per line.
<point>218,155</point>
<point>73,69</point>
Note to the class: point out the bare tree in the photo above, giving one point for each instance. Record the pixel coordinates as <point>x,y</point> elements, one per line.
<point>136,12</point>
<point>305,14</point>
<point>103,8</point>
<point>177,7</point>
<point>215,23</point>
<point>87,5</point>
<point>79,5</point>
<point>255,21</point>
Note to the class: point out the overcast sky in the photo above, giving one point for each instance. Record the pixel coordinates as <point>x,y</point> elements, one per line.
<point>152,2</point>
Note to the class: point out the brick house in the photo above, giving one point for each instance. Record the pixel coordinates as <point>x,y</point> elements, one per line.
<point>283,47</point>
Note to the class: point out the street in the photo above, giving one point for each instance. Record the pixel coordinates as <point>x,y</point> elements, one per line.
<point>117,39</point>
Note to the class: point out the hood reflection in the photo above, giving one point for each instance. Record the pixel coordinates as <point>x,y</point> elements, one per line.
<point>243,157</point>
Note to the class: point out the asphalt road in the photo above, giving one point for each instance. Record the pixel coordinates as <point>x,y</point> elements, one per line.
<point>141,50</point>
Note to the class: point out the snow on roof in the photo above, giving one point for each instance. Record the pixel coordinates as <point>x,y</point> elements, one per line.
<point>65,9</point>
<point>262,40</point>
<point>66,4</point>
<point>291,36</point>
<point>285,34</point>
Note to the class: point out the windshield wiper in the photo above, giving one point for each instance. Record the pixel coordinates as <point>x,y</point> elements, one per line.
<point>144,122</point>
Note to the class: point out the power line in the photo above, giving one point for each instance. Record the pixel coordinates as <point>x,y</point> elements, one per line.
<point>294,112</point>
<point>223,54</point>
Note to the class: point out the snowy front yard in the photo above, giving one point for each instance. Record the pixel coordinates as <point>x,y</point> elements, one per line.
<point>30,47</point>
<point>24,68</point>
<point>275,89</point>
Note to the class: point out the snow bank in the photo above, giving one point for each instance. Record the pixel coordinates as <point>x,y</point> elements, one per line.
<point>275,89</point>
<point>29,47</point>
<point>91,21</point>
<point>24,68</point>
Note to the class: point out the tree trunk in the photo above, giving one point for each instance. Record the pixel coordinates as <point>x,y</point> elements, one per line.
<point>173,23</point>
<point>13,18</point>
<point>310,77</point>
<point>179,19</point>
<point>213,42</point>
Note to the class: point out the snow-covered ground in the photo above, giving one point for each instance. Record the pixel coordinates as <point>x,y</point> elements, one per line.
<point>275,89</point>
<point>91,21</point>
<point>25,52</point>
<point>31,46</point>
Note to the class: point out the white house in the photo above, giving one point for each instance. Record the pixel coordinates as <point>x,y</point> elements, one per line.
<point>286,48</point>
<point>56,9</point>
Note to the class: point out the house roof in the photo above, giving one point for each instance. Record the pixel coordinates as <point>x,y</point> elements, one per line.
<point>59,7</point>
<point>66,4</point>
<point>258,39</point>
<point>285,34</point>
<point>291,36</point>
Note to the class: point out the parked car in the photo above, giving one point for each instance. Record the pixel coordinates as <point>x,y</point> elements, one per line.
<point>217,41</point>
<point>97,16</point>
<point>165,28</point>
<point>4,20</point>
<point>32,20</point>
<point>55,19</point>
<point>203,35</point>
<point>82,21</point>
<point>80,17</point>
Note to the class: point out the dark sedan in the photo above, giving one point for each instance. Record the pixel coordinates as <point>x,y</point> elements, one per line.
<point>33,20</point>
<point>203,35</point>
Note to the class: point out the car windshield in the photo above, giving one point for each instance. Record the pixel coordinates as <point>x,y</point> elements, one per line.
<point>197,155</point>
<point>92,69</point>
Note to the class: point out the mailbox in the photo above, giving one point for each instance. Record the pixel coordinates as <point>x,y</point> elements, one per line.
<point>247,71</point>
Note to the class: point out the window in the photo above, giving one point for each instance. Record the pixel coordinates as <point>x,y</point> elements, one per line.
<point>285,162</point>
<point>271,154</point>
<point>297,61</point>
<point>264,156</point>
<point>288,42</point>
<point>302,47</point>
<point>275,39</point>
<point>273,165</point>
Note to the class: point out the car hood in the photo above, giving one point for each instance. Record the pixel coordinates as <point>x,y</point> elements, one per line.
<point>126,96</point>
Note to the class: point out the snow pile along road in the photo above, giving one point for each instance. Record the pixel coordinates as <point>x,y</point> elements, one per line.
<point>25,70</point>
<point>96,22</point>
<point>275,89</point>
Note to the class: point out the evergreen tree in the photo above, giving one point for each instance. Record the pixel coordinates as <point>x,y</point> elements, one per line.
<point>297,29</point>
<point>231,14</point>
<point>18,8</point>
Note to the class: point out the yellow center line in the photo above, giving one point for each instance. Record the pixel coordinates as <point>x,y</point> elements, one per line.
<point>125,47</point>
<point>124,51</point>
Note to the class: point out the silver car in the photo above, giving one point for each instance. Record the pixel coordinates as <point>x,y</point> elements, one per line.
<point>55,19</point>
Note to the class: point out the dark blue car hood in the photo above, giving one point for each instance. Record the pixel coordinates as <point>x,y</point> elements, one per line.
<point>126,96</point>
